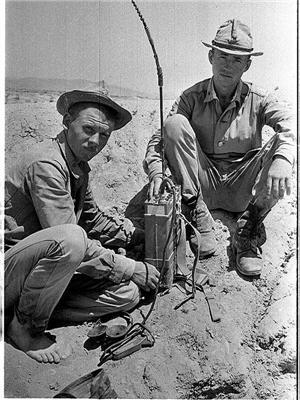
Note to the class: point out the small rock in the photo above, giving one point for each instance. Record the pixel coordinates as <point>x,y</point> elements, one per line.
<point>185,310</point>
<point>54,386</point>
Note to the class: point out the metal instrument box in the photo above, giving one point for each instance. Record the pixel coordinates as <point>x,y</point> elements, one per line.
<point>162,234</point>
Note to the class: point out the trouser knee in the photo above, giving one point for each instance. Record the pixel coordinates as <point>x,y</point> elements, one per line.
<point>73,242</point>
<point>68,242</point>
<point>175,126</point>
<point>132,298</point>
<point>39,268</point>
<point>121,298</point>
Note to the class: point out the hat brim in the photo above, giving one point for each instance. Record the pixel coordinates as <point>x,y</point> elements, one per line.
<point>236,52</point>
<point>68,99</point>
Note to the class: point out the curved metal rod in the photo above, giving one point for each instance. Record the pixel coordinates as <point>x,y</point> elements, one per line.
<point>160,84</point>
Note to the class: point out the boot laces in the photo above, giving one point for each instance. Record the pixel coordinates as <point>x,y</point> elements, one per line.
<point>248,236</point>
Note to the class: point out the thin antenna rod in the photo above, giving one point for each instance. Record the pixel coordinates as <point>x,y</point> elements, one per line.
<point>160,84</point>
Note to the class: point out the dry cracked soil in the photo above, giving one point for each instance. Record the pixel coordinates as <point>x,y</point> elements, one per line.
<point>249,354</point>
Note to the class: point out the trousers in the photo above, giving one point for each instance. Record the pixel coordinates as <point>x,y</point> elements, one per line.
<point>41,281</point>
<point>222,184</point>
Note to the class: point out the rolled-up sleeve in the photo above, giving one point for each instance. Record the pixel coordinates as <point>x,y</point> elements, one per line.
<point>152,163</point>
<point>100,262</point>
<point>181,106</point>
<point>280,116</point>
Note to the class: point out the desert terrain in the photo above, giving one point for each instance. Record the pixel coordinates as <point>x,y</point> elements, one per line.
<point>249,354</point>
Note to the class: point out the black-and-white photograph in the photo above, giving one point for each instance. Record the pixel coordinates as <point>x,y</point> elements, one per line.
<point>150,199</point>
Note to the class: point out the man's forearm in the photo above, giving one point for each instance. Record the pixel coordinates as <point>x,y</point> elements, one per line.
<point>153,160</point>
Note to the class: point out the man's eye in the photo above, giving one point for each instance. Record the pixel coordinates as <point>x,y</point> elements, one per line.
<point>105,135</point>
<point>89,130</point>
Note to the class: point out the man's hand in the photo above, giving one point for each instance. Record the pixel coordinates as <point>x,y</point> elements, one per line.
<point>145,276</point>
<point>154,187</point>
<point>279,178</point>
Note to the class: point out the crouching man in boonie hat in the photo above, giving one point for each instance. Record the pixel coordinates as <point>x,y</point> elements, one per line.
<point>60,259</point>
<point>213,146</point>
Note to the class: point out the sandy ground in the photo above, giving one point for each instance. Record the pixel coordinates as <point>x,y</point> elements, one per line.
<point>249,354</point>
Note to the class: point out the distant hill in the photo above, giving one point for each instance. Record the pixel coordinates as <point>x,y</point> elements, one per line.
<point>61,85</point>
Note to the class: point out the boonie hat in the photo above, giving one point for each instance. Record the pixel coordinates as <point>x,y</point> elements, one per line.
<point>234,37</point>
<point>68,99</point>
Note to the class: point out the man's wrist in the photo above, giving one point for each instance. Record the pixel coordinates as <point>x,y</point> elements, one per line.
<point>155,174</point>
<point>158,176</point>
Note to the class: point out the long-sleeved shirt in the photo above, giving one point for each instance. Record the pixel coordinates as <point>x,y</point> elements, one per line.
<point>229,134</point>
<point>48,187</point>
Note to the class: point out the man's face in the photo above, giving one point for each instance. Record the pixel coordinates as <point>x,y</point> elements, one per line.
<point>88,132</point>
<point>228,68</point>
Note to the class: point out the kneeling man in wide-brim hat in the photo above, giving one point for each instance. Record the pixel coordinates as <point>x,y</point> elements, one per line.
<point>62,256</point>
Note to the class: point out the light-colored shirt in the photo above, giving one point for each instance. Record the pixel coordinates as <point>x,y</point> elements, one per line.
<point>229,134</point>
<point>49,187</point>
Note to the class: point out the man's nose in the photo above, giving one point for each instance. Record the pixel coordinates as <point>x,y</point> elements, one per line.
<point>95,139</point>
<point>229,62</point>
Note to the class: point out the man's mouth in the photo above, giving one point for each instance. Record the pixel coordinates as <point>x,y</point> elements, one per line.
<point>90,153</point>
<point>92,150</point>
<point>227,75</point>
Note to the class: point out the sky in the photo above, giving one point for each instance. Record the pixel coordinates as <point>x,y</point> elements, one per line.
<point>98,40</point>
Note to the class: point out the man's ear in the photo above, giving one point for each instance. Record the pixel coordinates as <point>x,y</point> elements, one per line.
<point>248,65</point>
<point>67,120</point>
<point>210,56</point>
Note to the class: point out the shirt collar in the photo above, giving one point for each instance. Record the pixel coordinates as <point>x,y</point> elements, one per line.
<point>211,93</point>
<point>238,92</point>
<point>77,168</point>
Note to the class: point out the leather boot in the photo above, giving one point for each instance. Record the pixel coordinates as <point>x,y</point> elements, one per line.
<point>202,220</point>
<point>246,242</point>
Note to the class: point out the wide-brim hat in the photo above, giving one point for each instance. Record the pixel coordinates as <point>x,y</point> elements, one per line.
<point>234,37</point>
<point>68,99</point>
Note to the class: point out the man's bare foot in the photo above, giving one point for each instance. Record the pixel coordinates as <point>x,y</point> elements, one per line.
<point>40,347</point>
